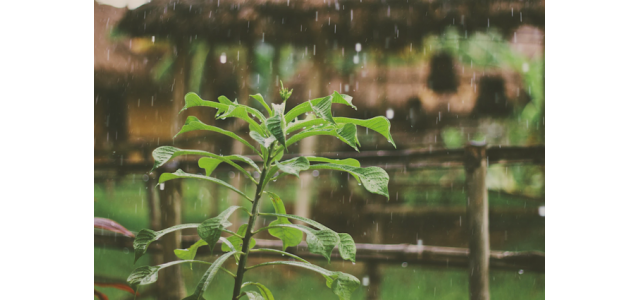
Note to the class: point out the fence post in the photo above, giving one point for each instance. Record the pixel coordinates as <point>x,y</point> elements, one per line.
<point>475,162</point>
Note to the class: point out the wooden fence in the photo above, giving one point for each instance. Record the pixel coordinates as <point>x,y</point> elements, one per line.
<point>475,158</point>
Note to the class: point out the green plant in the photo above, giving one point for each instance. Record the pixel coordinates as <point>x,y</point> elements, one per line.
<point>271,135</point>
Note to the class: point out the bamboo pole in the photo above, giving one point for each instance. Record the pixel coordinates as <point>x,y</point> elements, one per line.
<point>171,284</point>
<point>475,162</point>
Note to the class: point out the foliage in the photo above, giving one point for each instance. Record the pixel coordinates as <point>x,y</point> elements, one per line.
<point>271,134</point>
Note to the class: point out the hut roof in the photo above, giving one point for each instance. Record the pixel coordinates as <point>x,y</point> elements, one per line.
<point>113,58</point>
<point>391,24</point>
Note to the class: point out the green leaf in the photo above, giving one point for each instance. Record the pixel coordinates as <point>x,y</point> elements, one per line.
<point>374,179</point>
<point>192,123</point>
<point>276,127</point>
<point>251,295</point>
<point>280,252</point>
<point>189,253</point>
<point>209,164</point>
<point>259,98</point>
<point>208,276</point>
<point>345,132</point>
<point>165,153</point>
<point>181,174</point>
<point>348,133</point>
<point>341,284</point>
<point>378,124</point>
<point>236,242</point>
<point>193,100</point>
<point>142,276</point>
<point>225,109</point>
<point>211,229</point>
<point>306,106</point>
<point>319,241</point>
<point>347,247</point>
<point>149,274</point>
<point>266,293</point>
<point>146,236</point>
<point>347,162</point>
<point>294,166</point>
<point>310,121</point>
<point>242,112</point>
<point>290,237</point>
<point>296,217</point>
<point>265,142</point>
<point>323,109</point>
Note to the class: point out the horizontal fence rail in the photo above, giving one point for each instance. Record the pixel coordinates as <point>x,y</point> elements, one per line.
<point>387,254</point>
<point>394,159</point>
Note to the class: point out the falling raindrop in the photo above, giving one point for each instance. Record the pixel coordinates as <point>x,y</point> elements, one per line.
<point>223,58</point>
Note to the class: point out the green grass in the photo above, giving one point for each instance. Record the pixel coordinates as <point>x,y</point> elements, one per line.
<point>288,283</point>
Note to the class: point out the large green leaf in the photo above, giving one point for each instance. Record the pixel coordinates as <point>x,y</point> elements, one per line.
<point>374,179</point>
<point>323,109</point>
<point>225,108</point>
<point>294,165</point>
<point>236,241</point>
<point>193,100</point>
<point>276,126</point>
<point>319,241</point>
<point>242,112</point>
<point>181,174</point>
<point>146,236</point>
<point>306,106</point>
<point>211,229</point>
<point>347,161</point>
<point>290,236</point>
<point>347,247</point>
<point>208,276</point>
<point>341,284</point>
<point>209,164</point>
<point>164,154</point>
<point>296,217</point>
<point>264,142</point>
<point>260,99</point>
<point>266,293</point>
<point>310,121</point>
<point>149,274</point>
<point>192,123</point>
<point>189,253</point>
<point>347,133</point>
<point>378,124</point>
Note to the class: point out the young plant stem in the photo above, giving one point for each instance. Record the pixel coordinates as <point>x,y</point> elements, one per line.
<point>246,240</point>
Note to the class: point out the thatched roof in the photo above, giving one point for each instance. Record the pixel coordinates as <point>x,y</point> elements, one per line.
<point>391,24</point>
<point>113,61</point>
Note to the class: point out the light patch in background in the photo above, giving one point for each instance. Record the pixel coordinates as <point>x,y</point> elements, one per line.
<point>131,4</point>
<point>541,211</point>
<point>390,113</point>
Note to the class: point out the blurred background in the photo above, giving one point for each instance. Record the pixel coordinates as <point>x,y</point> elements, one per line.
<point>443,72</point>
